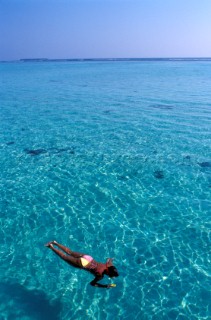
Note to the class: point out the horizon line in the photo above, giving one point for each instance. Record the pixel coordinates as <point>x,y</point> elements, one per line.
<point>107,59</point>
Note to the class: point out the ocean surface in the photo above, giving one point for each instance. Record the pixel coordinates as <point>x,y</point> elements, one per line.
<point>113,159</point>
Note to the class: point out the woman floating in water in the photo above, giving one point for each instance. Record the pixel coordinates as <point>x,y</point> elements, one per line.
<point>83,261</point>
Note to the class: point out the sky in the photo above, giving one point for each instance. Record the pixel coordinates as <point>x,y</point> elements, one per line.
<point>61,29</point>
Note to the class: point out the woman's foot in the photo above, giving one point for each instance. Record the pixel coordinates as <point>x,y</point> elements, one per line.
<point>49,244</point>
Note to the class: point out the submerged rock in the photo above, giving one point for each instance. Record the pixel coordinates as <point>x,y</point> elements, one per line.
<point>159,174</point>
<point>35,152</point>
<point>161,106</point>
<point>107,111</point>
<point>10,143</point>
<point>206,164</point>
<point>122,178</point>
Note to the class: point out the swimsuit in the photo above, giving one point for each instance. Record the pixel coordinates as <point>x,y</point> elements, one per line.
<point>86,260</point>
<point>89,264</point>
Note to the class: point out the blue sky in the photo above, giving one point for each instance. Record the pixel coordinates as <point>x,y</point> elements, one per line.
<point>104,28</point>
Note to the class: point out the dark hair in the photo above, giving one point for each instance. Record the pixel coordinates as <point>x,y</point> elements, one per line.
<point>112,272</point>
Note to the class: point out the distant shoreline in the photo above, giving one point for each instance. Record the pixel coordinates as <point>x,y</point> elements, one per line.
<point>106,59</point>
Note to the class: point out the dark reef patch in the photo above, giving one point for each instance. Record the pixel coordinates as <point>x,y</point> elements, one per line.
<point>31,304</point>
<point>122,178</point>
<point>35,152</point>
<point>206,164</point>
<point>10,143</point>
<point>57,151</point>
<point>161,106</point>
<point>107,111</point>
<point>158,174</point>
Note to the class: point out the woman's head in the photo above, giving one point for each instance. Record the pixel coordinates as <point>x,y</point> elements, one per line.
<point>112,272</point>
<point>111,269</point>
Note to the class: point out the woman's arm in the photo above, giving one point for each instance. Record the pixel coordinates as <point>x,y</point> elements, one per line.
<point>95,283</point>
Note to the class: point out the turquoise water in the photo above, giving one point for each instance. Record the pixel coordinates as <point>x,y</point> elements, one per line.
<point>112,159</point>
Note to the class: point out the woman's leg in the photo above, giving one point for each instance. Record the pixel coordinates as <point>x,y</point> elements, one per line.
<point>74,261</point>
<point>67,250</point>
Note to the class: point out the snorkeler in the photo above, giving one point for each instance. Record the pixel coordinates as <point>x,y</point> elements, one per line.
<point>85,262</point>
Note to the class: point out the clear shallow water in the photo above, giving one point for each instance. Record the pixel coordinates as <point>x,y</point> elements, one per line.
<point>112,159</point>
